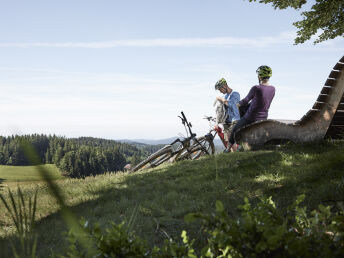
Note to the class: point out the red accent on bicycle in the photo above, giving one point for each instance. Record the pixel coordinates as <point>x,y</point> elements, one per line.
<point>215,129</point>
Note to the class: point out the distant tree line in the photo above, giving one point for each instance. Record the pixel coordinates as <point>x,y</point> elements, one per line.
<point>75,157</point>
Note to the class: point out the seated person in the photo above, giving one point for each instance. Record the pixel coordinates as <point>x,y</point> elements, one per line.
<point>259,98</point>
<point>230,99</point>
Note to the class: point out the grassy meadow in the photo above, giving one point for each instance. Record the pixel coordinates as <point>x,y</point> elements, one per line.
<point>158,199</point>
<point>14,174</point>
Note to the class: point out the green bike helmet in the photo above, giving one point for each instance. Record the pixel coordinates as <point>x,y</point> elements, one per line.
<point>220,84</point>
<point>264,72</point>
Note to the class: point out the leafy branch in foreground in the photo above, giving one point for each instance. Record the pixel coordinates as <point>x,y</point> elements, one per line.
<point>23,217</point>
<point>325,15</point>
<point>260,231</point>
<point>263,231</point>
<point>118,241</point>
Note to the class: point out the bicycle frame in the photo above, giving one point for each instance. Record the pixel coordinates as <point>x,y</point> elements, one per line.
<point>186,146</point>
<point>186,141</point>
<point>190,148</point>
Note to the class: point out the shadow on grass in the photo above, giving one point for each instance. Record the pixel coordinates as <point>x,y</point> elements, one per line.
<point>314,169</point>
<point>1,181</point>
<point>165,194</point>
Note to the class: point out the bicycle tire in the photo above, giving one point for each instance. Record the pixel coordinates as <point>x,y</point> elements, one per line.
<point>181,155</point>
<point>161,159</point>
<point>195,150</point>
<point>155,159</point>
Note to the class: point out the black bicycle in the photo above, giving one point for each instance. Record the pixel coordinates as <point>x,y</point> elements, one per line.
<point>189,147</point>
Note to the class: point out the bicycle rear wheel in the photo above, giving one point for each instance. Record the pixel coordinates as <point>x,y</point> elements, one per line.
<point>203,146</point>
<point>155,159</point>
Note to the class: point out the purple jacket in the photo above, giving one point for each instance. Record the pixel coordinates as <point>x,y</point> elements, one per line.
<point>261,97</point>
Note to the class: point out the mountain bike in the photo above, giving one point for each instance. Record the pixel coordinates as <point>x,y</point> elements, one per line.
<point>215,129</point>
<point>221,117</point>
<point>189,147</point>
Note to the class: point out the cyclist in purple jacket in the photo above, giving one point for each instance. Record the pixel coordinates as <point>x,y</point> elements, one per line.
<point>259,99</point>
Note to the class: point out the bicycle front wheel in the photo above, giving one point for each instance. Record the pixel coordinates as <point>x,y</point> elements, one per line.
<point>155,159</point>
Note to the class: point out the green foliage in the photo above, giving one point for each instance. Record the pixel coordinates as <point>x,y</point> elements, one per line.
<point>283,4</point>
<point>115,241</point>
<point>79,157</point>
<point>325,15</point>
<point>135,159</point>
<point>260,231</point>
<point>263,231</point>
<point>68,215</point>
<point>164,195</point>
<point>86,161</point>
<point>23,216</point>
<point>118,241</point>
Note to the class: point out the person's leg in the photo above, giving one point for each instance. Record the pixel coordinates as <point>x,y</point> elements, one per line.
<point>230,129</point>
<point>226,131</point>
<point>241,123</point>
<point>227,128</point>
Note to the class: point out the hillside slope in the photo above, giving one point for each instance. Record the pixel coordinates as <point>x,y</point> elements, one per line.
<point>164,195</point>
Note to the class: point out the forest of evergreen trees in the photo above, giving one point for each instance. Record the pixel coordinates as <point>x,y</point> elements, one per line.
<point>75,157</point>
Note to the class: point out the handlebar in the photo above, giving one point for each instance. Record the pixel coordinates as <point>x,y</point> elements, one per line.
<point>210,118</point>
<point>184,120</point>
<point>184,116</point>
<point>188,124</point>
<point>192,135</point>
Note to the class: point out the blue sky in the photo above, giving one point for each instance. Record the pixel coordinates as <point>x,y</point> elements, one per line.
<point>125,69</point>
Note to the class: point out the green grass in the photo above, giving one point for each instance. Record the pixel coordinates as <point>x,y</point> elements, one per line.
<point>165,194</point>
<point>10,174</point>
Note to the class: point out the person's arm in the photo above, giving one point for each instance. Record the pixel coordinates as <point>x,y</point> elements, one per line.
<point>235,98</point>
<point>248,98</point>
<point>222,100</point>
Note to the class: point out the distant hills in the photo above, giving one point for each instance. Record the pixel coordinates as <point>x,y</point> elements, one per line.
<point>217,141</point>
<point>148,141</point>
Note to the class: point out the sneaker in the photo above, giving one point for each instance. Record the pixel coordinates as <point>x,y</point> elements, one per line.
<point>228,149</point>
<point>240,148</point>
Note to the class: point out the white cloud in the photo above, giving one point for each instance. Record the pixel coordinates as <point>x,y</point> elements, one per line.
<point>245,42</point>
<point>168,42</point>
